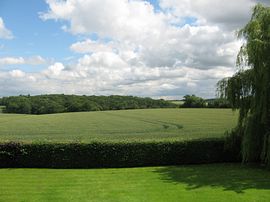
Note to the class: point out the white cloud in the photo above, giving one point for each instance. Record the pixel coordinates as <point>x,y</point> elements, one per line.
<point>12,60</point>
<point>16,73</point>
<point>229,14</point>
<point>89,46</point>
<point>140,51</point>
<point>34,60</point>
<point>107,73</point>
<point>4,32</point>
<point>54,70</point>
<point>118,19</point>
<point>147,37</point>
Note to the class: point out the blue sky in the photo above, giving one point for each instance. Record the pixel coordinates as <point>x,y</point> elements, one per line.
<point>32,35</point>
<point>35,36</point>
<point>169,47</point>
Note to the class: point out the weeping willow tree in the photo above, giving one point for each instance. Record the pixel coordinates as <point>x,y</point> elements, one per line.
<point>249,89</point>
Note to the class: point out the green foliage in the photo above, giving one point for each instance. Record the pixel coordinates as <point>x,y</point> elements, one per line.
<point>206,103</point>
<point>233,139</point>
<point>48,104</point>
<point>249,89</point>
<point>218,103</point>
<point>192,101</point>
<point>122,125</point>
<point>113,154</point>
<point>20,105</point>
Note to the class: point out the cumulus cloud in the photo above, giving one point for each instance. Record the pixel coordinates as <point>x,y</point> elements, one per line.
<point>106,73</point>
<point>16,73</point>
<point>118,19</point>
<point>90,46</point>
<point>150,38</point>
<point>230,14</point>
<point>4,32</point>
<point>12,60</point>
<point>54,70</point>
<point>185,47</point>
<point>34,60</point>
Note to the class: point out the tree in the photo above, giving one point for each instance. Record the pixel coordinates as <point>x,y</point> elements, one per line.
<point>218,103</point>
<point>249,89</point>
<point>193,101</point>
<point>19,104</point>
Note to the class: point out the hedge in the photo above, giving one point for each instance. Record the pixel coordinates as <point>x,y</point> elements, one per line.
<point>105,154</point>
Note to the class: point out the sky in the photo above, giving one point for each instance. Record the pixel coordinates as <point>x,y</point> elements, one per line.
<point>155,48</point>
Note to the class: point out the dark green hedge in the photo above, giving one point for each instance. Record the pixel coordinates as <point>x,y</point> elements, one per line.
<point>92,155</point>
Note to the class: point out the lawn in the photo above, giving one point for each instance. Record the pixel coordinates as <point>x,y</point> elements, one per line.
<point>124,125</point>
<point>196,183</point>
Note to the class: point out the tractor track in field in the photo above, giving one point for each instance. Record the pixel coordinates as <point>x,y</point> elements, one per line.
<point>163,124</point>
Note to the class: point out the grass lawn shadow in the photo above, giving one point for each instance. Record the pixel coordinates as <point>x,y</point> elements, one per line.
<point>230,177</point>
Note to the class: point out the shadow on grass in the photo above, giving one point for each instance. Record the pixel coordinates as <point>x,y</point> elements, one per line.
<point>230,177</point>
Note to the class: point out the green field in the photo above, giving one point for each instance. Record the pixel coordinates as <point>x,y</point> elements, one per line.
<point>177,102</point>
<point>124,125</point>
<point>196,183</point>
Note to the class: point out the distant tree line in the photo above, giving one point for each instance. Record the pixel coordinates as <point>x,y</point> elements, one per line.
<point>58,103</point>
<point>192,101</point>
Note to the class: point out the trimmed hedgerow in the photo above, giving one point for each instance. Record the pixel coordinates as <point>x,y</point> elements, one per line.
<point>105,154</point>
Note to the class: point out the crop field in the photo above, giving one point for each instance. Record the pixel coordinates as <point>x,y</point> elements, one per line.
<point>177,102</point>
<point>196,183</point>
<point>124,125</point>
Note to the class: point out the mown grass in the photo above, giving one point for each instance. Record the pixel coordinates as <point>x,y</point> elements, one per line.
<point>196,183</point>
<point>126,125</point>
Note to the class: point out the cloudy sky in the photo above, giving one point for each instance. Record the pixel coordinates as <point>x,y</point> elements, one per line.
<point>155,48</point>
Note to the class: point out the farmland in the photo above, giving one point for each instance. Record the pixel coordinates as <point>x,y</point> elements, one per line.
<point>211,183</point>
<point>124,125</point>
